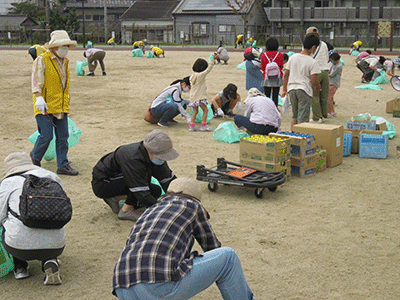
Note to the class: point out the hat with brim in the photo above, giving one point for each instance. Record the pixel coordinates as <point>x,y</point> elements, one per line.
<point>186,186</point>
<point>312,29</point>
<point>60,38</point>
<point>159,144</point>
<point>18,162</point>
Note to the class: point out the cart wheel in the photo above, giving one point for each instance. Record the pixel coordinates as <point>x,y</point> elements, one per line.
<point>213,187</point>
<point>258,193</point>
<point>273,189</point>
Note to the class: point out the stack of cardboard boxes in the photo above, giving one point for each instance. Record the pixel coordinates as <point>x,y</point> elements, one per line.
<point>303,155</point>
<point>266,154</point>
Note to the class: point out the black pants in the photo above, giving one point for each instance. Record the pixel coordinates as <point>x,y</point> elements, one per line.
<point>275,93</point>
<point>20,256</point>
<point>107,188</point>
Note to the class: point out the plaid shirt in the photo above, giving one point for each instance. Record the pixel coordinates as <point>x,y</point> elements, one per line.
<point>159,246</point>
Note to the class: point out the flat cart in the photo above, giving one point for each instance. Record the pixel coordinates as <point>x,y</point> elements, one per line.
<point>230,173</point>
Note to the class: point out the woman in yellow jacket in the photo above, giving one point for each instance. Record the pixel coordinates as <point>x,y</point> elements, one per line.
<point>50,88</point>
<point>157,51</point>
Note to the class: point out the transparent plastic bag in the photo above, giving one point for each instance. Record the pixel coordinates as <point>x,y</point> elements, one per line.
<point>199,116</point>
<point>137,52</point>
<point>227,132</point>
<point>74,135</point>
<point>149,54</point>
<point>79,67</point>
<point>6,260</point>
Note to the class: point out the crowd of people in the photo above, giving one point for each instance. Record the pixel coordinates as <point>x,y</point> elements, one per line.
<point>123,177</point>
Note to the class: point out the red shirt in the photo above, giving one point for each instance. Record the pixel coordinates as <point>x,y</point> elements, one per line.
<point>271,55</point>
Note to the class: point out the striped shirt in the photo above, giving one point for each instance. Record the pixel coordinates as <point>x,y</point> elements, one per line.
<point>159,246</point>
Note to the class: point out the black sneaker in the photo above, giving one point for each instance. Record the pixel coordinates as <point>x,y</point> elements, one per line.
<point>34,161</point>
<point>229,113</point>
<point>90,74</point>
<point>67,170</point>
<point>104,73</point>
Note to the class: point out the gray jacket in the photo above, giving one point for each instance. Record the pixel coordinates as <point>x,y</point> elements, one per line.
<point>17,235</point>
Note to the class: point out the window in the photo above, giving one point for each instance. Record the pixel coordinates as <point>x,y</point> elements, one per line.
<point>382,4</point>
<point>98,17</point>
<point>356,4</point>
<point>226,28</point>
<point>200,29</point>
<point>321,3</point>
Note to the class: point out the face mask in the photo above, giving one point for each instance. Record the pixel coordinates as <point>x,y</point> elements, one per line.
<point>186,89</point>
<point>62,51</point>
<point>157,161</point>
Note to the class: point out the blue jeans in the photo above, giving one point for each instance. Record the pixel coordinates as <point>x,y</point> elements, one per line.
<point>221,266</point>
<point>45,124</point>
<point>165,111</point>
<point>242,121</point>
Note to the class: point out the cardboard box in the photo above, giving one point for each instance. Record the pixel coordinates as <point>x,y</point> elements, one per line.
<point>390,105</point>
<point>328,137</point>
<point>268,166</point>
<point>347,140</point>
<point>272,152</point>
<point>381,127</point>
<point>354,139</point>
<point>321,160</point>
<point>373,144</point>
<point>306,162</point>
<point>299,146</point>
<point>360,125</point>
<point>302,171</point>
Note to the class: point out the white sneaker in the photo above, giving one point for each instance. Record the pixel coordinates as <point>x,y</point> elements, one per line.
<point>206,128</point>
<point>52,272</point>
<point>21,273</point>
<point>320,121</point>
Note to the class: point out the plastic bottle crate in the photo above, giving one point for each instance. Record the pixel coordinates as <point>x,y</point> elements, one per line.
<point>347,138</point>
<point>373,145</point>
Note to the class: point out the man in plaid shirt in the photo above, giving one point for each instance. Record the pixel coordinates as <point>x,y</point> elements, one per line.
<point>157,262</point>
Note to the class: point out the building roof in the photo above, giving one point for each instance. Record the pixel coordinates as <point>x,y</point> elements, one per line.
<point>100,3</point>
<point>150,10</point>
<point>213,6</point>
<point>16,21</point>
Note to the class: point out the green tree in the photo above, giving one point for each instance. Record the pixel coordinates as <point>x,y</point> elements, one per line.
<point>65,21</point>
<point>24,8</point>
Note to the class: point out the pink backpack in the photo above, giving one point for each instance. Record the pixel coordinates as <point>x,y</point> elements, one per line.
<point>272,70</point>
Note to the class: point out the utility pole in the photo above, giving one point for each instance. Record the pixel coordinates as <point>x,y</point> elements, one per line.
<point>105,21</point>
<point>83,24</point>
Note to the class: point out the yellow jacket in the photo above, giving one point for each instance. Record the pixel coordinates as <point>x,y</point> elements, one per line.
<point>158,51</point>
<point>39,49</point>
<point>138,44</point>
<point>57,98</point>
<point>239,38</point>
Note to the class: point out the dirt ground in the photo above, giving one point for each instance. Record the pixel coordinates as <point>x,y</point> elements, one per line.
<point>331,236</point>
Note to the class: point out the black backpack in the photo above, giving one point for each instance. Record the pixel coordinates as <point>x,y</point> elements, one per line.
<point>43,203</point>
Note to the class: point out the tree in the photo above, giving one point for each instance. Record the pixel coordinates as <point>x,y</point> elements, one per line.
<point>65,21</point>
<point>25,8</point>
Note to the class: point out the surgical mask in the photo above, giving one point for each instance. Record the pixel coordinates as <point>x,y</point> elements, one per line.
<point>186,89</point>
<point>62,51</point>
<point>157,161</point>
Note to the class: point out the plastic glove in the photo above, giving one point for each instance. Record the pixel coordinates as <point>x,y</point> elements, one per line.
<point>40,104</point>
<point>220,112</point>
<point>186,118</point>
<point>239,107</point>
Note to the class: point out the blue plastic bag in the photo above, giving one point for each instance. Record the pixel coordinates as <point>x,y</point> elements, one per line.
<point>199,116</point>
<point>369,87</point>
<point>381,79</point>
<point>74,135</point>
<point>242,66</point>
<point>227,132</point>
<point>79,67</point>
<point>137,52</point>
